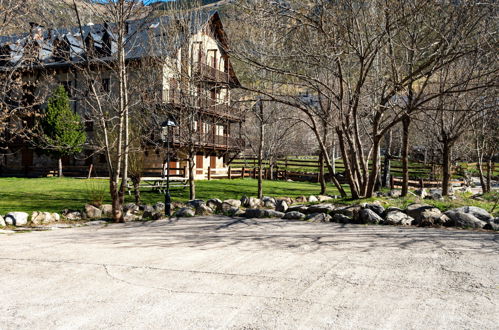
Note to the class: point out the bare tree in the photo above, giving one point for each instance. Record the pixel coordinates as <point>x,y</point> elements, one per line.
<point>368,63</point>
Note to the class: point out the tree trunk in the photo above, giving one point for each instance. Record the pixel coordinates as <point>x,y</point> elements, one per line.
<point>260,152</point>
<point>406,123</point>
<point>322,179</point>
<point>192,184</point>
<point>490,166</point>
<point>387,161</point>
<point>373,175</point>
<point>60,167</point>
<point>116,201</point>
<point>446,167</point>
<point>481,175</point>
<point>136,190</point>
<point>346,163</point>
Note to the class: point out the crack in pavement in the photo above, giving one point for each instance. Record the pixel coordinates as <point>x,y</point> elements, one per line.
<point>151,268</point>
<point>230,294</point>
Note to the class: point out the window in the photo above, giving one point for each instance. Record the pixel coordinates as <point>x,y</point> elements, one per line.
<point>221,130</point>
<point>207,127</point>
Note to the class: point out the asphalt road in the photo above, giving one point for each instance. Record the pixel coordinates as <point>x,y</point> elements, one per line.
<point>267,274</point>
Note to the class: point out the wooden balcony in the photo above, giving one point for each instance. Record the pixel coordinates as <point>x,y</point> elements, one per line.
<point>206,140</point>
<point>210,74</point>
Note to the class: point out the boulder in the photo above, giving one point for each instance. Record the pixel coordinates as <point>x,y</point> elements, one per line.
<point>107,210</point>
<point>185,212</point>
<point>294,215</point>
<point>203,209</point>
<point>301,199</point>
<point>340,218</point>
<point>92,212</point>
<point>134,217</point>
<point>493,224</point>
<point>214,204</point>
<point>269,204</point>
<point>273,214</point>
<point>435,194</point>
<point>16,218</point>
<point>391,209</point>
<point>267,198</point>
<point>375,207</point>
<point>40,218</point>
<point>245,201</point>
<point>152,215</point>
<point>129,207</point>
<point>281,205</point>
<point>319,217</point>
<point>159,207</point>
<point>233,202</point>
<point>2,222</point>
<point>313,199</point>
<point>255,213</point>
<point>465,220</point>
<point>369,216</point>
<point>350,211</point>
<point>196,203</point>
<point>320,208</point>
<point>422,193</point>
<point>298,208</point>
<point>71,215</point>
<point>147,208</point>
<point>323,198</point>
<point>424,215</point>
<point>475,211</point>
<point>288,200</point>
<point>396,217</point>
<point>394,193</point>
<point>234,212</point>
<point>255,202</point>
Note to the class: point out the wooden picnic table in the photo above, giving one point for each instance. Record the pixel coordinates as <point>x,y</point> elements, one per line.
<point>158,183</point>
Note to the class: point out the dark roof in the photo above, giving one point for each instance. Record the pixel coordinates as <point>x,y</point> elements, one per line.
<point>145,37</point>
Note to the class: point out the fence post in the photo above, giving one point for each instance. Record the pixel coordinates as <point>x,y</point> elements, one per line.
<point>392,182</point>
<point>209,173</point>
<point>254,172</point>
<point>185,172</point>
<point>229,174</point>
<point>421,183</point>
<point>242,172</point>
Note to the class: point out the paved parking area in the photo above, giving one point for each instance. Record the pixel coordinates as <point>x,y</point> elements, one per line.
<point>216,272</point>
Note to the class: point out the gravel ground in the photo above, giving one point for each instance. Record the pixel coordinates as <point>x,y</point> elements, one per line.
<point>268,274</point>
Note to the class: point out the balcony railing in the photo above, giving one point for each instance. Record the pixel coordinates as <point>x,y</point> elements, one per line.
<point>209,140</point>
<point>212,74</point>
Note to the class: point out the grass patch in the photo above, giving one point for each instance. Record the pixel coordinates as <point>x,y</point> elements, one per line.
<point>56,194</point>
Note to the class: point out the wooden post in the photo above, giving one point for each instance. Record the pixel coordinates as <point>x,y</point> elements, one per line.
<point>421,183</point>
<point>242,172</point>
<point>185,172</point>
<point>229,174</point>
<point>254,172</point>
<point>209,173</point>
<point>392,182</point>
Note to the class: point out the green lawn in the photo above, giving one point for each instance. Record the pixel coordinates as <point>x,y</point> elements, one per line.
<point>55,194</point>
